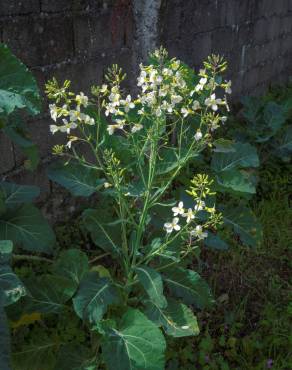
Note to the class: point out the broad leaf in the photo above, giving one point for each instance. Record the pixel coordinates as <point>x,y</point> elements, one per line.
<point>152,283</point>
<point>15,194</point>
<point>11,288</point>
<point>283,144</point>
<point>237,180</point>
<point>78,179</point>
<point>245,155</point>
<point>170,160</point>
<point>73,357</point>
<point>136,344</point>
<point>213,241</point>
<point>189,286</point>
<point>37,355</point>
<point>93,297</point>
<point>18,88</point>
<point>105,233</point>
<point>274,116</point>
<point>72,264</point>
<point>27,228</point>
<point>176,319</point>
<point>244,224</point>
<point>48,294</point>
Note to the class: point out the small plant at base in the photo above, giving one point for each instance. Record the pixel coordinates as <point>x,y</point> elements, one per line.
<point>140,145</point>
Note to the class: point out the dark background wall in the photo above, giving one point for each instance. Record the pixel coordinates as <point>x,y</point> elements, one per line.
<point>79,39</point>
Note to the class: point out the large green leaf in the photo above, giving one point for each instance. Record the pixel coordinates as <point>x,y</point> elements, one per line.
<point>93,297</point>
<point>73,357</point>
<point>176,319</point>
<point>18,88</point>
<point>48,294</point>
<point>27,228</point>
<point>11,288</point>
<point>4,340</point>
<point>169,160</point>
<point>189,286</point>
<point>137,344</point>
<point>213,241</point>
<point>72,264</point>
<point>152,283</point>
<point>17,132</point>
<point>244,224</point>
<point>274,116</point>
<point>105,233</point>
<point>15,194</point>
<point>244,156</point>
<point>283,144</point>
<point>237,180</point>
<point>37,355</point>
<point>78,179</point>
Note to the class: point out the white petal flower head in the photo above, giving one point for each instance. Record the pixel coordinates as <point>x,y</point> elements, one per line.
<point>111,129</point>
<point>179,210</point>
<point>213,102</point>
<point>185,112</point>
<point>137,127</point>
<point>128,104</point>
<point>223,119</point>
<point>201,84</point>
<point>88,120</point>
<point>170,226</point>
<point>82,99</point>
<point>54,129</point>
<point>199,233</point>
<point>198,135</point>
<point>196,105</point>
<point>200,205</point>
<point>189,215</point>
<point>228,87</point>
<point>175,99</point>
<point>53,112</point>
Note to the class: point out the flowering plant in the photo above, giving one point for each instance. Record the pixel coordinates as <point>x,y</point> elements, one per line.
<point>137,149</point>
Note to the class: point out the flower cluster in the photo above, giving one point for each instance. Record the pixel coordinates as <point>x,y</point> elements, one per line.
<point>189,214</point>
<point>71,117</point>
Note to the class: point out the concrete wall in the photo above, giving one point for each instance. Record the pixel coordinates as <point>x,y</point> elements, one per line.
<point>79,39</point>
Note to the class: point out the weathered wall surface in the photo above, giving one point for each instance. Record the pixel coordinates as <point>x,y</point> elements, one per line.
<point>79,39</point>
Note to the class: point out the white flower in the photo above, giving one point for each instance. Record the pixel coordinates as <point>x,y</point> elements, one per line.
<point>88,120</point>
<point>200,205</point>
<point>167,72</point>
<point>189,215</point>
<point>201,84</point>
<point>175,99</point>
<point>170,226</point>
<point>199,233</point>
<point>114,97</point>
<point>54,129</point>
<point>175,65</point>
<point>228,88</point>
<point>137,127</point>
<point>179,210</point>
<point>82,99</point>
<point>223,119</point>
<point>128,104</point>
<point>120,123</point>
<point>53,111</point>
<point>111,129</point>
<point>185,112</point>
<point>110,108</point>
<point>68,126</point>
<point>196,105</point>
<point>107,185</point>
<point>198,135</point>
<point>142,78</point>
<point>213,102</point>
<point>158,112</point>
<point>103,88</point>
